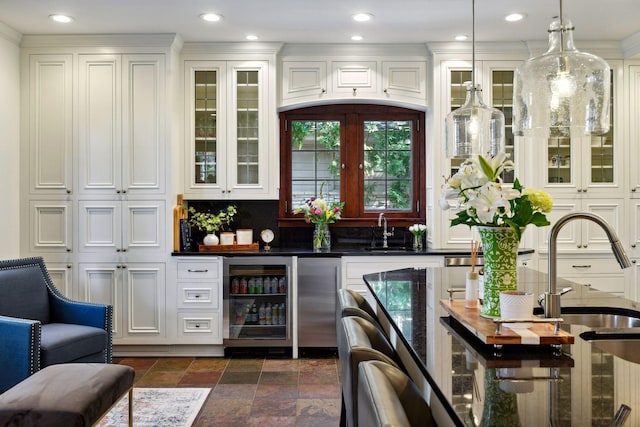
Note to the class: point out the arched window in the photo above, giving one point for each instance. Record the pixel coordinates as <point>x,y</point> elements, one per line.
<point>372,157</point>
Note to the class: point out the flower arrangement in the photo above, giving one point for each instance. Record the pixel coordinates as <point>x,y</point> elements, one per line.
<point>317,211</point>
<point>478,188</point>
<point>210,222</point>
<point>417,229</point>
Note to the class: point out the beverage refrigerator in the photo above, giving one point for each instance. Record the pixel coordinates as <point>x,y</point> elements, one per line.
<point>257,303</point>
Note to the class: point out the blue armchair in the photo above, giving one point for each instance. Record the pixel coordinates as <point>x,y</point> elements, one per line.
<point>40,327</point>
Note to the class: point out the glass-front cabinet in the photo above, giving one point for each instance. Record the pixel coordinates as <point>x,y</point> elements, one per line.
<point>584,163</point>
<point>227,130</point>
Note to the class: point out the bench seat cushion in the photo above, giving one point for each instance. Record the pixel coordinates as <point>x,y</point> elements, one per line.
<point>64,342</point>
<point>70,395</point>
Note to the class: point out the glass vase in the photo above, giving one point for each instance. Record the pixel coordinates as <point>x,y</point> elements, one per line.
<point>417,242</point>
<point>500,253</point>
<point>321,238</point>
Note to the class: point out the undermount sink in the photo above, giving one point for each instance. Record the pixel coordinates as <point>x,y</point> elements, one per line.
<point>614,330</point>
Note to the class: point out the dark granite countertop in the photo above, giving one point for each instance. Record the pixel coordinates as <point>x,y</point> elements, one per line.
<point>340,252</point>
<point>577,385</point>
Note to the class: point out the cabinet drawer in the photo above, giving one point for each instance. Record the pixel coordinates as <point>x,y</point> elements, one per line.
<point>198,295</point>
<point>198,270</point>
<point>200,325</point>
<point>588,266</point>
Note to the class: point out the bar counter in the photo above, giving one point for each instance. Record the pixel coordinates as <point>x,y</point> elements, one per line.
<point>469,383</point>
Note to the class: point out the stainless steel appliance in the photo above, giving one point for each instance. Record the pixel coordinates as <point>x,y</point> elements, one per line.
<point>318,280</point>
<point>257,304</point>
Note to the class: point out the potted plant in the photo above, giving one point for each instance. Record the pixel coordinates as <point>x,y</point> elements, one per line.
<point>210,223</point>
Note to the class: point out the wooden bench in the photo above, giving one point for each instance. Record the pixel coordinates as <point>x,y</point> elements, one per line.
<point>70,395</point>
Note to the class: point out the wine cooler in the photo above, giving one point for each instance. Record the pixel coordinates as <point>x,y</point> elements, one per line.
<point>257,306</point>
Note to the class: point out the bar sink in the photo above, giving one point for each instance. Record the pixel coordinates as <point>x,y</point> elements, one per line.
<point>602,320</point>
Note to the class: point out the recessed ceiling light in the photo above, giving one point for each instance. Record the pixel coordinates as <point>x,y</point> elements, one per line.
<point>514,17</point>
<point>356,38</point>
<point>462,37</point>
<point>362,17</point>
<point>211,17</point>
<point>251,37</point>
<point>64,19</point>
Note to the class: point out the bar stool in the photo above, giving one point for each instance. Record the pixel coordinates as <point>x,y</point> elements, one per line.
<point>352,303</point>
<point>361,340</point>
<point>388,397</point>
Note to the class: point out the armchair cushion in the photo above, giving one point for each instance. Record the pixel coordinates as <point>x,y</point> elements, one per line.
<point>63,343</point>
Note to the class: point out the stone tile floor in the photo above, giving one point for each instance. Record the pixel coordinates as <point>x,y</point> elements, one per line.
<point>251,391</point>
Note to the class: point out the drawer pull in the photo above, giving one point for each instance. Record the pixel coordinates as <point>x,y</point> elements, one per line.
<point>198,271</point>
<point>582,266</point>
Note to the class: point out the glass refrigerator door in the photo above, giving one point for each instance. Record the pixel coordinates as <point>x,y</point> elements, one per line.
<point>258,301</point>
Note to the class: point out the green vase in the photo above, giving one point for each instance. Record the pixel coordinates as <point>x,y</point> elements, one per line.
<point>500,253</point>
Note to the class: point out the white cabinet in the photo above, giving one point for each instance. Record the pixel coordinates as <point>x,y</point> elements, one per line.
<point>50,128</point>
<point>61,274</point>
<point>199,301</point>
<point>600,272</point>
<point>583,236</point>
<point>634,129</point>
<point>121,122</point>
<point>137,293</point>
<point>335,78</point>
<point>113,226</point>
<point>50,226</point>
<point>227,129</point>
<point>633,278</point>
<point>633,214</point>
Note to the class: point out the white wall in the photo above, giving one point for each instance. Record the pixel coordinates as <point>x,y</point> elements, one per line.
<point>9,142</point>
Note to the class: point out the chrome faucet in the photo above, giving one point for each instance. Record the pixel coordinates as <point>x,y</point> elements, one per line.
<point>550,300</point>
<point>382,222</point>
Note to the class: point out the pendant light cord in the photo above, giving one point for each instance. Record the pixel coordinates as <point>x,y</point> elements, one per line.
<point>562,29</point>
<point>473,47</point>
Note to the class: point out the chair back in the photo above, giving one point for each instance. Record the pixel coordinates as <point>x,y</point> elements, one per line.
<point>23,289</point>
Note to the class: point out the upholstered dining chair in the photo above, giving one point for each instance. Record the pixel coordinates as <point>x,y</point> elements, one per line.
<point>40,327</point>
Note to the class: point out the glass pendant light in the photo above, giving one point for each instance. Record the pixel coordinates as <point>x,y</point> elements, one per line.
<point>563,91</point>
<point>474,128</point>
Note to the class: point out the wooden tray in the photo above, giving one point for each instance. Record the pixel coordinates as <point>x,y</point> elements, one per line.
<point>252,247</point>
<point>485,329</point>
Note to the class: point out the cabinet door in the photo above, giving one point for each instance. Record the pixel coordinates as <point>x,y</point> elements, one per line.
<point>143,121</point>
<point>304,80</point>
<point>205,127</point>
<point>144,299</point>
<point>634,129</point>
<point>143,226</point>
<point>404,79</point>
<point>100,283</point>
<point>100,125</point>
<point>612,210</point>
<point>634,229</point>
<point>51,226</point>
<point>62,276</point>
<point>50,123</point>
<point>355,78</point>
<point>99,226</point>
<point>248,130</point>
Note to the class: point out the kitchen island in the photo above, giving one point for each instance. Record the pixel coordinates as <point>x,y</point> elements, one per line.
<point>469,383</point>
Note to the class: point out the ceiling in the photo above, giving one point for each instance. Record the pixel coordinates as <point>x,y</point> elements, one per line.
<point>325,21</point>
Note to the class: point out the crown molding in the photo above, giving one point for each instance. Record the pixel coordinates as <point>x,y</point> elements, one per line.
<point>8,33</point>
<point>256,48</point>
<point>99,40</point>
<point>631,46</point>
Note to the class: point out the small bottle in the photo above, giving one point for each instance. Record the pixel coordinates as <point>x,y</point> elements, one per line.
<point>259,285</point>
<point>252,286</point>
<point>471,290</point>
<point>282,318</point>
<point>235,286</point>
<point>261,315</point>
<point>243,285</point>
<point>275,312</point>
<point>268,315</point>
<point>254,314</point>
<point>247,314</point>
<point>282,285</point>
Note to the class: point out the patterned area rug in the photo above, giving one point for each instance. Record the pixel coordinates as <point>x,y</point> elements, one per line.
<point>175,407</point>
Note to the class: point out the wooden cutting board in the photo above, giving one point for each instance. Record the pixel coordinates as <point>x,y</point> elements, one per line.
<point>485,329</point>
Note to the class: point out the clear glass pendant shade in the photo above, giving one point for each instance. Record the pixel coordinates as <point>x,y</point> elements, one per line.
<point>474,128</point>
<point>563,91</point>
